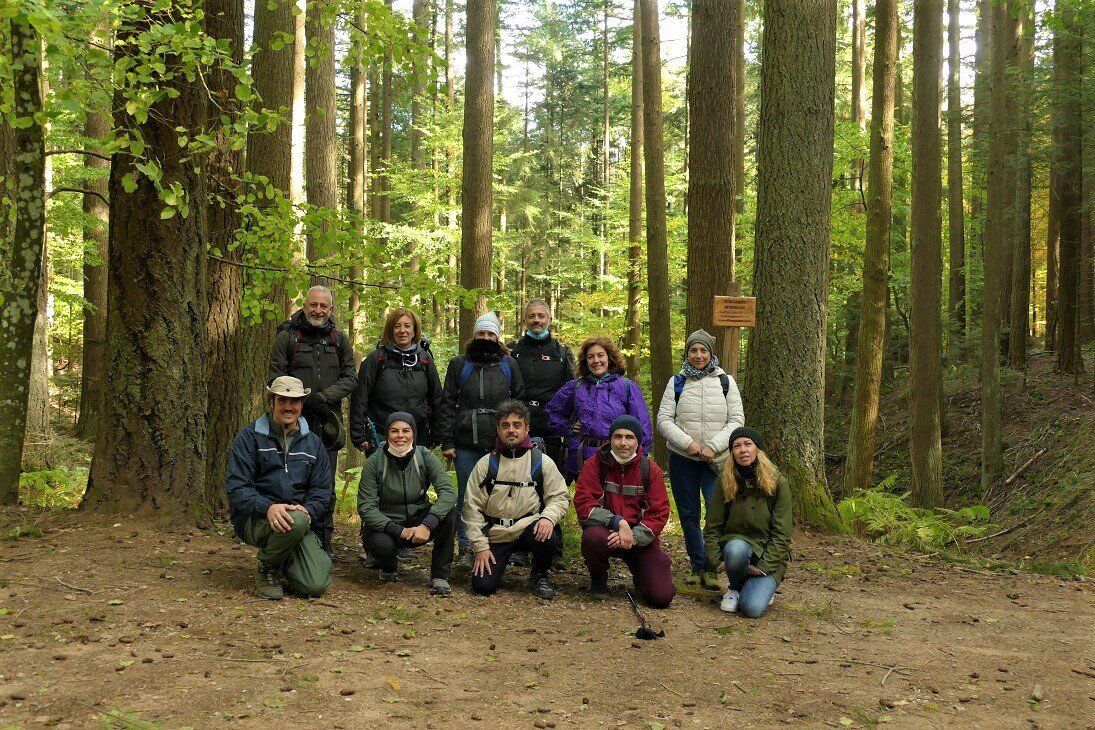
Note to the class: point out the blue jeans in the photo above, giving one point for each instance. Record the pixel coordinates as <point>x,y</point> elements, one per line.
<point>466,459</point>
<point>688,478</point>
<point>756,590</point>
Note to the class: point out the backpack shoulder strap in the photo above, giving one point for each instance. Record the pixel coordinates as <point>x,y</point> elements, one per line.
<point>295,334</point>
<point>507,370</point>
<point>465,371</point>
<point>419,466</point>
<point>644,470</point>
<point>492,474</point>
<point>536,471</point>
<point>725,380</point>
<point>678,387</point>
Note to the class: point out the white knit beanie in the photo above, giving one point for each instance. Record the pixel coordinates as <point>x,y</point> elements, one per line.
<point>489,322</point>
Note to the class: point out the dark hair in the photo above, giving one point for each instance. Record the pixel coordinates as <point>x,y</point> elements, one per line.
<point>615,359</point>
<point>513,407</point>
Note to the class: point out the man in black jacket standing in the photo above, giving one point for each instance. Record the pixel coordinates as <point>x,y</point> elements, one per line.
<point>546,365</point>
<point>309,346</point>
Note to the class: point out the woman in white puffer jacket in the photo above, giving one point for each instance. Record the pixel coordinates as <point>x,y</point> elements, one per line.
<point>699,410</point>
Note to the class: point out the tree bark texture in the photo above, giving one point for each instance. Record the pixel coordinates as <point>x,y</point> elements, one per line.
<point>657,254</point>
<point>25,260</point>
<point>859,464</point>
<point>237,348</point>
<point>993,237</point>
<point>476,191</point>
<point>635,201</point>
<point>321,137</point>
<point>149,455</point>
<point>1069,121</point>
<point>97,216</point>
<point>786,396</point>
<point>859,79</point>
<point>1019,218</point>
<point>926,268</point>
<point>710,164</point>
<point>1052,243</point>
<point>956,214</point>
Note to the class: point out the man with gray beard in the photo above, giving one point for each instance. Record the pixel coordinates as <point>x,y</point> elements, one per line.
<point>309,346</point>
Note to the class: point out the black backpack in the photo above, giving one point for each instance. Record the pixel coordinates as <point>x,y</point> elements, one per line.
<point>536,476</point>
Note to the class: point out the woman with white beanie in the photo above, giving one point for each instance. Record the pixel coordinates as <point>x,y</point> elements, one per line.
<point>700,408</point>
<point>475,383</point>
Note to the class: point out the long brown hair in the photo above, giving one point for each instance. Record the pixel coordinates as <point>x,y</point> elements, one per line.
<point>387,338</point>
<point>767,475</point>
<point>615,359</point>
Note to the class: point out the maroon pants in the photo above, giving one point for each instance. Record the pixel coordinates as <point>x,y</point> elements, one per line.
<point>649,565</point>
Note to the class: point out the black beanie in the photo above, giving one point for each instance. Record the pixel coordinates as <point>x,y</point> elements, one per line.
<point>746,432</point>
<point>406,418</point>
<point>629,423</point>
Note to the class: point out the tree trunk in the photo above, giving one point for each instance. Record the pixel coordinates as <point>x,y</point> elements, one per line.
<point>635,201</point>
<point>321,137</point>
<point>96,217</point>
<point>955,210</point>
<point>25,260</point>
<point>925,296</point>
<point>859,79</point>
<point>979,138</point>
<point>385,162</point>
<point>876,255</point>
<point>41,363</point>
<point>1052,243</point>
<point>1010,131</point>
<point>420,15</point>
<point>711,164</point>
<point>1069,121</point>
<point>237,348</point>
<point>737,21</point>
<point>992,297</point>
<point>657,254</point>
<point>149,455</point>
<point>794,167</point>
<point>477,194</point>
<point>299,106</point>
<point>1019,225</point>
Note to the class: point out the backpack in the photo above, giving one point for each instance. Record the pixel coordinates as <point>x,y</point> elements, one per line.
<point>469,368</point>
<point>416,461</point>
<point>679,381</point>
<point>644,471</point>
<point>536,475</point>
<point>384,362</point>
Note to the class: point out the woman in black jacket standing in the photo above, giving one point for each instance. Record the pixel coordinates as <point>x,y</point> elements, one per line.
<point>475,383</point>
<point>399,375</point>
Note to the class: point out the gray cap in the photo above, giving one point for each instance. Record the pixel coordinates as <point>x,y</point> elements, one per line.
<point>702,337</point>
<point>289,387</point>
<point>489,322</point>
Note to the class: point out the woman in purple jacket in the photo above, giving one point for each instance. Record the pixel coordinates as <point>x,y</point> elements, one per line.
<point>583,409</point>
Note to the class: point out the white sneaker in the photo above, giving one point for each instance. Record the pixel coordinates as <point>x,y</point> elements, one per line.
<point>730,601</point>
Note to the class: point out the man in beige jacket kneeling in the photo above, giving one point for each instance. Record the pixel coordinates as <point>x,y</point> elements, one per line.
<point>516,500</point>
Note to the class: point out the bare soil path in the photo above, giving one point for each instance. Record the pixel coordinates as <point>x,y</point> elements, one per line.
<point>132,624</point>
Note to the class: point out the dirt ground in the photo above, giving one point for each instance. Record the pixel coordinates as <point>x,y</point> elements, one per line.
<point>132,624</point>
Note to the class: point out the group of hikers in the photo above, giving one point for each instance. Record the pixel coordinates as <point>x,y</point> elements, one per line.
<point>520,423</point>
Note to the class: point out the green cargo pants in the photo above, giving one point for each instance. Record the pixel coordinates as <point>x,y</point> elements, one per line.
<point>306,567</point>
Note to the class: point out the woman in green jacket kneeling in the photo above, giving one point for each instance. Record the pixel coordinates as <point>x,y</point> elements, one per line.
<point>749,528</point>
<point>395,508</point>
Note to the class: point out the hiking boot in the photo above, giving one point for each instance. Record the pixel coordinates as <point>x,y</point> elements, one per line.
<point>465,558</point>
<point>368,560</point>
<point>440,586</point>
<point>267,584</point>
<point>598,587</point>
<point>695,578</point>
<point>730,601</point>
<point>710,581</point>
<point>519,559</point>
<point>541,587</point>
<point>389,576</point>
<point>404,555</point>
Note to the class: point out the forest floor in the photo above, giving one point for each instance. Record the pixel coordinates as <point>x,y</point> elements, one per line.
<point>137,624</point>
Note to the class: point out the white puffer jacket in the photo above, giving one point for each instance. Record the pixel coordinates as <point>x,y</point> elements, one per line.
<point>702,414</point>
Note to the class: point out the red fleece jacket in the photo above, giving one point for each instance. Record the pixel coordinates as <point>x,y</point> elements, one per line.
<point>602,467</point>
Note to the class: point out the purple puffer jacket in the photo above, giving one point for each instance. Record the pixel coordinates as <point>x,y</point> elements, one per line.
<point>595,405</point>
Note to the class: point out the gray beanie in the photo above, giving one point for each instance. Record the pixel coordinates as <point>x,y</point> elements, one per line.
<point>489,322</point>
<point>406,418</point>
<point>703,338</point>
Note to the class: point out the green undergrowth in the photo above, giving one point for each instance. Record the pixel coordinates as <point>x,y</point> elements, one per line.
<point>887,518</point>
<point>60,487</point>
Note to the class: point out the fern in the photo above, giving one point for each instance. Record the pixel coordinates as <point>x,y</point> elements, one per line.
<point>889,519</point>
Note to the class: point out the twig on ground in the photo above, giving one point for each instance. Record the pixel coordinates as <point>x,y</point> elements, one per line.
<point>249,661</point>
<point>430,677</point>
<point>328,604</point>
<point>888,673</point>
<point>74,588</point>
<point>1084,673</point>
<point>896,668</point>
<point>1024,467</point>
<point>673,690</point>
<point>1006,530</point>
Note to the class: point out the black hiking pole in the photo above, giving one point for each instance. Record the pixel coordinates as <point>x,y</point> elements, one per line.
<point>645,630</point>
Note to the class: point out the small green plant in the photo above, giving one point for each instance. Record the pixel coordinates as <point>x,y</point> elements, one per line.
<point>25,530</point>
<point>58,488</point>
<point>889,519</point>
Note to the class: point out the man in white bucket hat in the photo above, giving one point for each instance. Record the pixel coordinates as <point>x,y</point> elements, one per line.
<point>279,484</point>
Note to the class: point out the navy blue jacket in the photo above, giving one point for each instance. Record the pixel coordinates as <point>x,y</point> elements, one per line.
<point>260,474</point>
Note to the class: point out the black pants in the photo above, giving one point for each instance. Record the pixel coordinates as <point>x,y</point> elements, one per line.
<point>384,547</point>
<point>542,553</point>
<point>326,527</point>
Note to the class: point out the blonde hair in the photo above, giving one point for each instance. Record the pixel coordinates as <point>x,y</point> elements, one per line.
<point>767,475</point>
<point>388,335</point>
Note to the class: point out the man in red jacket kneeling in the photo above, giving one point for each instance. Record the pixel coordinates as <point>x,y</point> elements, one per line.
<point>621,502</point>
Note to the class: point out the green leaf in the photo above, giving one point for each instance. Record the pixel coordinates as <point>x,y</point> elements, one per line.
<point>166,213</point>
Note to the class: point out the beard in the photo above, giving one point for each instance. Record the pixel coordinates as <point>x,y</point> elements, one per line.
<point>315,321</point>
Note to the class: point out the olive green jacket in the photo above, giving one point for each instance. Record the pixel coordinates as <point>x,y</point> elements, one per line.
<point>389,498</point>
<point>763,522</point>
